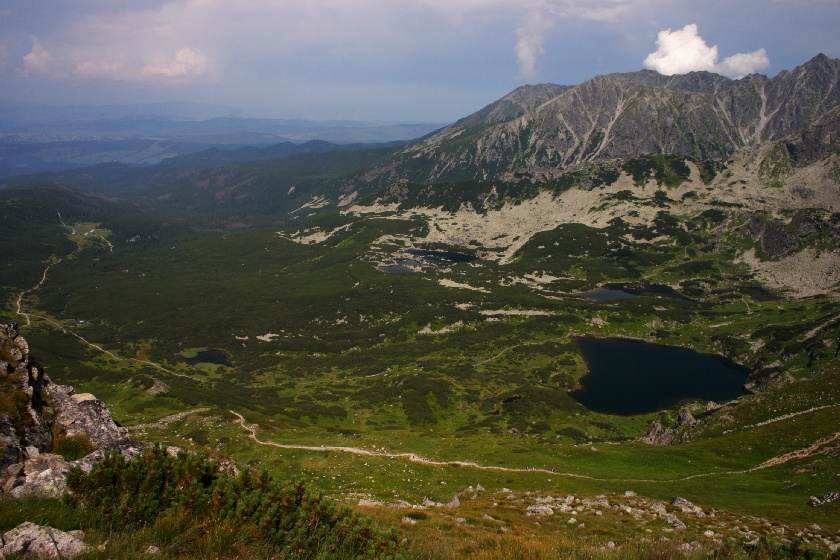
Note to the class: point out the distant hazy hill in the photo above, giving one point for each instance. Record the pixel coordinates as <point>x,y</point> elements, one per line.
<point>35,139</point>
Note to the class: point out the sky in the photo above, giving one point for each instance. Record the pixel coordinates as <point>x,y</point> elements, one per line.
<point>383,60</point>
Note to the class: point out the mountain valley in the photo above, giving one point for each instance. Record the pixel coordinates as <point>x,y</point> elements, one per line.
<point>396,324</point>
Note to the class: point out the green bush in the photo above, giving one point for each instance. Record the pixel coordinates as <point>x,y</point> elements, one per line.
<point>172,494</point>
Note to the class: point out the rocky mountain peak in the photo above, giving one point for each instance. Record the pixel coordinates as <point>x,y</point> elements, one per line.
<point>550,129</point>
<point>521,101</point>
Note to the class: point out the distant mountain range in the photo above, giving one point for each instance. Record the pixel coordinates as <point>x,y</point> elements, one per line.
<point>548,129</point>
<point>36,139</point>
<point>583,135</point>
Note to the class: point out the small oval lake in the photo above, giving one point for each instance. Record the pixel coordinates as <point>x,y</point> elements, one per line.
<point>615,290</point>
<point>211,356</point>
<point>628,377</point>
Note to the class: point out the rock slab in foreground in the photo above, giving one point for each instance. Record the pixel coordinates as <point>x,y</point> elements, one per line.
<point>43,542</point>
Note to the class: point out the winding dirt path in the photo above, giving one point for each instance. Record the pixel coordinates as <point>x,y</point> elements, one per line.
<point>166,420</point>
<point>412,457</point>
<point>812,449</point>
<point>780,418</point>
<point>58,325</point>
<point>30,290</point>
<point>415,458</point>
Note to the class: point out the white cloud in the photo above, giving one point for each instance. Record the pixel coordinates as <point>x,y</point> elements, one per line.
<point>541,17</point>
<point>684,50</point>
<point>135,41</point>
<point>739,65</point>
<point>530,38</point>
<point>185,66</point>
<point>188,64</point>
<point>38,60</point>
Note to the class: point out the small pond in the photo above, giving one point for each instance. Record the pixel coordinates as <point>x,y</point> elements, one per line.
<point>616,290</point>
<point>603,293</point>
<point>628,377</point>
<point>441,257</point>
<point>211,356</point>
<point>401,266</point>
<point>423,256</point>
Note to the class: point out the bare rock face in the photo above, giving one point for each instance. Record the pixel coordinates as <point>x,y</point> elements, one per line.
<point>84,415</point>
<point>551,128</point>
<point>659,435</point>
<point>35,411</point>
<point>22,418</point>
<point>41,542</point>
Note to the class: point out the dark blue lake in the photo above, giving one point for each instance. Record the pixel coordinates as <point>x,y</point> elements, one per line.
<point>628,377</point>
<point>211,356</point>
<point>607,294</point>
<point>441,257</point>
<point>614,290</point>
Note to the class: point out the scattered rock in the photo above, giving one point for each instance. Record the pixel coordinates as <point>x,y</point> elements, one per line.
<point>408,521</point>
<point>826,499</point>
<point>540,510</point>
<point>470,493</point>
<point>687,507</point>
<point>659,509</point>
<point>152,550</point>
<point>674,521</point>
<point>35,540</point>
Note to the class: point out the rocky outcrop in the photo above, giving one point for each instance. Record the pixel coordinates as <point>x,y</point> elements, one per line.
<point>36,414</point>
<point>42,542</point>
<point>659,435</point>
<point>826,499</point>
<point>84,415</point>
<point>23,422</point>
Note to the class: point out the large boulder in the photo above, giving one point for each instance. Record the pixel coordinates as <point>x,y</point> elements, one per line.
<point>85,415</point>
<point>41,542</point>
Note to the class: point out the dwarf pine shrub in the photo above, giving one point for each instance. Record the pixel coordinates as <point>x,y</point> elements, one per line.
<point>293,520</point>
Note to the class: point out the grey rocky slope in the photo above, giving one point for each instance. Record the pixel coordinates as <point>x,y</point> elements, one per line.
<point>546,129</point>
<point>37,416</point>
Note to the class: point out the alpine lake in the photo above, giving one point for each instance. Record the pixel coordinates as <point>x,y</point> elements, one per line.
<point>628,377</point>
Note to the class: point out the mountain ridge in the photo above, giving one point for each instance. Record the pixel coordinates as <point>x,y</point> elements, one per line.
<point>548,129</point>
